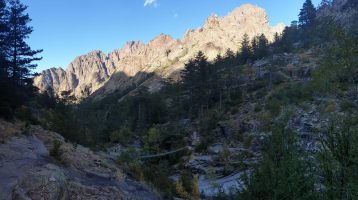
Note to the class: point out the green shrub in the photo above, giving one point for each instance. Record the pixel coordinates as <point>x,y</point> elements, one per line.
<point>331,107</point>
<point>157,173</point>
<point>187,179</point>
<point>293,93</point>
<point>202,146</point>
<point>56,152</point>
<point>6,111</point>
<point>131,155</point>
<point>24,113</point>
<point>210,120</point>
<point>123,136</point>
<point>281,173</point>
<point>152,140</point>
<point>235,97</point>
<point>248,141</point>
<point>130,161</point>
<point>180,190</point>
<point>265,119</point>
<point>257,108</point>
<point>196,192</point>
<point>347,105</point>
<point>274,107</point>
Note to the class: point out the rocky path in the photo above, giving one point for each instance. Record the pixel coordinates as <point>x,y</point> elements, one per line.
<point>28,172</point>
<point>17,156</point>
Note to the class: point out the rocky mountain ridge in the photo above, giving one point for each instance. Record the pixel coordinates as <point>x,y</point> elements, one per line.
<point>164,56</point>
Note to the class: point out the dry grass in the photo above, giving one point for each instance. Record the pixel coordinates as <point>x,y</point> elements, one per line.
<point>75,156</point>
<point>8,130</point>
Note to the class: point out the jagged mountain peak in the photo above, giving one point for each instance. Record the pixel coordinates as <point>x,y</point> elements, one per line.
<point>163,55</point>
<point>246,9</point>
<point>132,46</point>
<point>161,40</point>
<point>212,21</point>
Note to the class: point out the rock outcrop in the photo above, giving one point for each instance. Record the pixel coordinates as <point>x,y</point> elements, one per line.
<point>342,12</point>
<point>163,56</point>
<point>29,171</point>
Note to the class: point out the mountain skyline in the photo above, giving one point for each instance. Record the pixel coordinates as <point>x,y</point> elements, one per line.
<point>163,55</point>
<point>236,106</point>
<point>108,29</point>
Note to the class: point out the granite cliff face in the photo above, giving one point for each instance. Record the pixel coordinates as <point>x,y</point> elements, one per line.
<point>163,56</point>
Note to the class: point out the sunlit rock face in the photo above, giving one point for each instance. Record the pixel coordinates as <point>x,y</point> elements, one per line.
<point>163,56</point>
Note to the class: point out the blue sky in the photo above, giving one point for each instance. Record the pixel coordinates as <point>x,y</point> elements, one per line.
<point>65,29</point>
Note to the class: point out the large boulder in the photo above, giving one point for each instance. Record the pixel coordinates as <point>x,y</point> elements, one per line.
<point>28,171</point>
<point>46,182</point>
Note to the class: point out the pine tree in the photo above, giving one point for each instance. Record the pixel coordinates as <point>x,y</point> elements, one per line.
<point>196,82</point>
<point>218,78</point>
<point>245,53</point>
<point>282,173</point>
<point>338,160</point>
<point>3,32</point>
<point>204,89</point>
<point>140,101</point>
<point>3,22</point>
<point>189,84</point>
<point>277,37</point>
<point>289,37</point>
<point>351,3</point>
<point>331,75</point>
<point>262,46</point>
<point>259,47</point>
<point>307,15</point>
<point>229,56</point>
<point>5,99</point>
<point>227,74</point>
<point>276,43</point>
<point>255,47</point>
<point>325,4</point>
<point>19,53</point>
